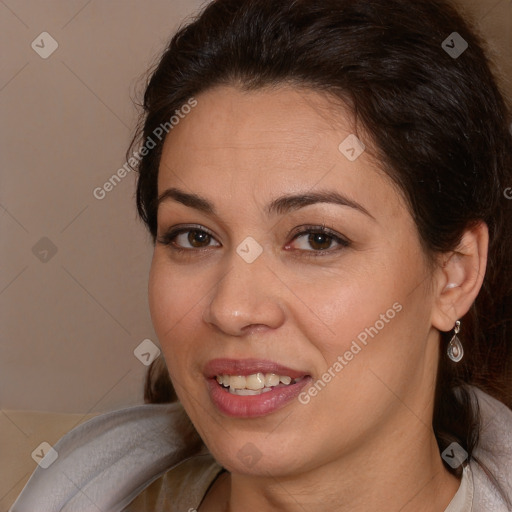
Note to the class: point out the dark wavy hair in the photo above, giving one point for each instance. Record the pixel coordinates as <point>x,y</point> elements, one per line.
<point>439,125</point>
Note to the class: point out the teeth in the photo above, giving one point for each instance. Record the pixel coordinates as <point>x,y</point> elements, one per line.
<point>271,379</point>
<point>254,383</point>
<point>237,381</point>
<point>246,392</point>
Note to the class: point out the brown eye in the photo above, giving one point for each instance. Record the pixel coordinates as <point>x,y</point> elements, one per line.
<point>320,241</point>
<point>197,238</point>
<point>183,239</point>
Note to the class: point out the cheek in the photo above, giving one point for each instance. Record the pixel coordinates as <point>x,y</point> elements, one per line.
<point>160,298</point>
<point>171,297</point>
<point>371,312</point>
<point>340,307</point>
<point>174,311</point>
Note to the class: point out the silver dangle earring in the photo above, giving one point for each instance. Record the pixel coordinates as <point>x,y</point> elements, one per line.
<point>455,350</point>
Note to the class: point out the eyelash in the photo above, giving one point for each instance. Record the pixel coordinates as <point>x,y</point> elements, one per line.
<point>169,237</point>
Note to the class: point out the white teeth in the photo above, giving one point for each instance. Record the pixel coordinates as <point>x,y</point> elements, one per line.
<point>257,382</point>
<point>244,392</point>
<point>271,379</point>
<point>237,381</point>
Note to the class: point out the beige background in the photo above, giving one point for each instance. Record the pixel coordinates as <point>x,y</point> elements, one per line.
<point>69,325</point>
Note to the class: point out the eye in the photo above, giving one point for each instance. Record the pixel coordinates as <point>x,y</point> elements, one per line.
<point>318,240</point>
<point>187,238</point>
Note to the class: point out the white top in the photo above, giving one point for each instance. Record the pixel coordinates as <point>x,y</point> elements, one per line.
<point>463,499</point>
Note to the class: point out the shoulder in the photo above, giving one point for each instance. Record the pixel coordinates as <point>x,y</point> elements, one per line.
<point>109,460</point>
<point>491,462</point>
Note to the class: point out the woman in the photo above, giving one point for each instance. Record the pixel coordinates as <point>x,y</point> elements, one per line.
<point>324,183</point>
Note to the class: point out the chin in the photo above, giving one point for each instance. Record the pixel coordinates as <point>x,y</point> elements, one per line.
<point>254,455</point>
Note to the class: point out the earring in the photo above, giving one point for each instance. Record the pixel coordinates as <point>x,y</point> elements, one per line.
<point>455,350</point>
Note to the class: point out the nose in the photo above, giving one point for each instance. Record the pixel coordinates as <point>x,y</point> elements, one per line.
<point>245,299</point>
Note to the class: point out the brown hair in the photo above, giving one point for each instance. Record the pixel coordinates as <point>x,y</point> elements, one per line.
<point>439,124</point>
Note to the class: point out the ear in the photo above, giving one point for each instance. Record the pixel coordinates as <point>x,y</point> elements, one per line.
<point>459,277</point>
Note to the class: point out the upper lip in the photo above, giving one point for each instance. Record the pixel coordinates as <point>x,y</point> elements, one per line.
<point>248,367</point>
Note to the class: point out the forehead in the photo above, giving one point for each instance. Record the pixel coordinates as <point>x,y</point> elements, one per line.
<point>265,120</point>
<point>265,141</point>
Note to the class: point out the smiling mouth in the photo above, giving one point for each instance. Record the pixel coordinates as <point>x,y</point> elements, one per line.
<point>255,384</point>
<point>251,388</point>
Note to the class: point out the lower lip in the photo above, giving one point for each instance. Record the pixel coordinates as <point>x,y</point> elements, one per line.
<point>253,405</point>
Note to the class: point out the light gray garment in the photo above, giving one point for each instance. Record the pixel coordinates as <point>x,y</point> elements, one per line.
<point>492,464</point>
<point>105,463</point>
<point>463,499</point>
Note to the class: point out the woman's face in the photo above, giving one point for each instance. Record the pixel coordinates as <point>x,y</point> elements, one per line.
<point>250,286</point>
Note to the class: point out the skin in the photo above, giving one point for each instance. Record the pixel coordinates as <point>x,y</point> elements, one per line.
<point>365,441</point>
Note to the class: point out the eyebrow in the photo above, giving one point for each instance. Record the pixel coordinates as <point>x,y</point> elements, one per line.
<point>278,206</point>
